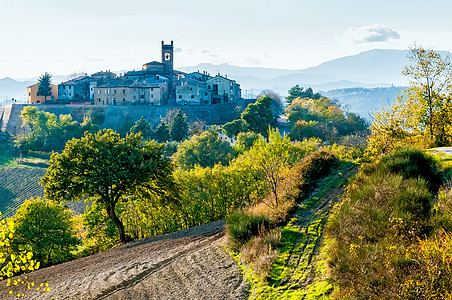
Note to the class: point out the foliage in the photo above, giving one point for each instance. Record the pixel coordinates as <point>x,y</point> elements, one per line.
<point>384,212</point>
<point>170,148</point>
<point>142,126</point>
<point>108,169</point>
<point>14,261</point>
<point>422,116</point>
<point>277,101</point>
<point>178,128</point>
<point>431,81</point>
<point>241,226</point>
<point>245,140</point>
<point>205,150</point>
<point>299,92</point>
<point>161,133</point>
<point>44,88</point>
<point>234,128</point>
<point>48,228</point>
<point>47,132</point>
<point>323,118</point>
<point>258,116</point>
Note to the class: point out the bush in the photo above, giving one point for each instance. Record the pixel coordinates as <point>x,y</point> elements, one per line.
<point>241,226</point>
<point>413,163</point>
<point>304,176</point>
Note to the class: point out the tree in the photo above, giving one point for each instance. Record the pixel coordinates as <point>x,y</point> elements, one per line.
<point>277,101</point>
<point>48,228</point>
<point>204,150</point>
<point>161,133</point>
<point>44,88</point>
<point>431,82</point>
<point>142,126</point>
<point>245,140</point>
<point>298,92</point>
<point>179,127</point>
<point>259,115</point>
<point>107,169</point>
<point>233,128</point>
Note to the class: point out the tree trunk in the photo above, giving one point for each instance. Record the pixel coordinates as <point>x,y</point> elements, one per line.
<point>122,235</point>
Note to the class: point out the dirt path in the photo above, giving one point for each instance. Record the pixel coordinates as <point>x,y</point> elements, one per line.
<point>298,261</point>
<point>189,264</point>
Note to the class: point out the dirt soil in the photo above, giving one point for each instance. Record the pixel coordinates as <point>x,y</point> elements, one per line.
<point>188,264</point>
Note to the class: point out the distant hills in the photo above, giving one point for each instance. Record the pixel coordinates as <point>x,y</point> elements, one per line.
<point>369,69</point>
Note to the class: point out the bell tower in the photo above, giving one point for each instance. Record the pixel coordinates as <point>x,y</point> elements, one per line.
<point>167,57</point>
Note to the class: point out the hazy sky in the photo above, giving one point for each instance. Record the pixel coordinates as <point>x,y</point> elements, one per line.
<point>63,36</point>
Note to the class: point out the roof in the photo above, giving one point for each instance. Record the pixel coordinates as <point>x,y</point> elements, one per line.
<point>77,80</point>
<point>153,63</point>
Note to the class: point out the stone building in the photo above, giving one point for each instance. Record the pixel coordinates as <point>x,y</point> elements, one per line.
<point>131,93</point>
<point>33,98</point>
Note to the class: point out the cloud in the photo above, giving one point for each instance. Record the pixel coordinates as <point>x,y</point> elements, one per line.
<point>92,59</point>
<point>371,33</point>
<point>177,50</point>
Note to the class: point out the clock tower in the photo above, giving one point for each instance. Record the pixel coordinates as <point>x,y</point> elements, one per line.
<point>167,57</point>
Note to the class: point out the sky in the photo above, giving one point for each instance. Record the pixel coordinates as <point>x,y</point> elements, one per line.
<point>66,36</point>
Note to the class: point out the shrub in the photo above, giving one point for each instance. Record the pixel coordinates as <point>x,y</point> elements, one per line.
<point>304,176</point>
<point>413,163</point>
<point>241,226</point>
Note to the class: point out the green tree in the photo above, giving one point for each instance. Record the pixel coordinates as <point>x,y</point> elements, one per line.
<point>259,115</point>
<point>299,92</point>
<point>233,128</point>
<point>245,140</point>
<point>161,132</point>
<point>205,150</point>
<point>48,228</point>
<point>179,127</point>
<point>431,82</point>
<point>108,169</point>
<point>142,126</point>
<point>44,88</point>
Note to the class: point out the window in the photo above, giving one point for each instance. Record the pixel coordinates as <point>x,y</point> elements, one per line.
<point>158,77</point>
<point>123,99</point>
<point>134,97</point>
<point>114,92</point>
<point>192,96</point>
<point>180,96</point>
<point>123,91</point>
<point>99,91</point>
<point>152,96</point>
<point>142,97</point>
<point>205,94</point>
<point>191,89</point>
<point>142,89</point>
<point>134,89</point>
<point>29,94</point>
<point>152,89</point>
<point>69,94</point>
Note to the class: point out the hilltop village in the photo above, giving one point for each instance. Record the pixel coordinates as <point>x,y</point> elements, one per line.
<point>157,83</point>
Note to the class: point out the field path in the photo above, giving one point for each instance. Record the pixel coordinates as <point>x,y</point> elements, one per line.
<point>188,264</point>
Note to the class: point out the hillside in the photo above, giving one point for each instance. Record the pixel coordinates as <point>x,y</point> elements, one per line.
<point>189,264</point>
<point>18,183</point>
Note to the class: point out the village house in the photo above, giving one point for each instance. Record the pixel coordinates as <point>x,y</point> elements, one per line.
<point>157,83</point>
<point>33,98</point>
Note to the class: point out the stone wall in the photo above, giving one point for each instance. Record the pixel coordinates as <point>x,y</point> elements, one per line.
<point>119,117</point>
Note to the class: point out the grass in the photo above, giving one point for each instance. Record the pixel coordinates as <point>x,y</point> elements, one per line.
<point>299,270</point>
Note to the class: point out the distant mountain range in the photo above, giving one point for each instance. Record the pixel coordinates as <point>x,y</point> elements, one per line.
<point>369,69</point>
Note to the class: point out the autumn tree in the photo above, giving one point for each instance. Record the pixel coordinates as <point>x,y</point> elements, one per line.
<point>44,88</point>
<point>431,82</point>
<point>233,128</point>
<point>107,169</point>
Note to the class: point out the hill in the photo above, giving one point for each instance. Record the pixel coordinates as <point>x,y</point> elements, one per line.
<point>364,101</point>
<point>18,183</point>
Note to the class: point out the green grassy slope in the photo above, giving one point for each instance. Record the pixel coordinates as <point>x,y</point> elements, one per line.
<point>18,183</point>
